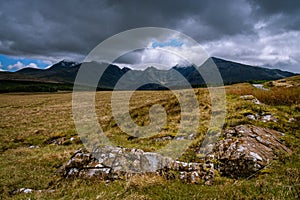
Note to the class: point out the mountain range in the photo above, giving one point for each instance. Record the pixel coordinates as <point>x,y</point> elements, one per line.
<point>64,73</point>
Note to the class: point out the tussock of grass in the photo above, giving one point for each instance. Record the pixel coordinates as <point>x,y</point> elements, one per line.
<point>144,180</point>
<point>279,96</point>
<point>240,89</point>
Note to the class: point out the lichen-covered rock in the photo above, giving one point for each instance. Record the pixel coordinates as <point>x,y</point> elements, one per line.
<point>245,149</point>
<point>194,172</point>
<point>292,119</point>
<point>29,190</point>
<point>242,151</point>
<point>247,97</point>
<point>262,117</point>
<point>250,97</point>
<point>112,162</point>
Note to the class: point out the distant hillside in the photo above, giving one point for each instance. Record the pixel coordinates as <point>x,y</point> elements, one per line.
<point>284,83</point>
<point>236,72</point>
<point>65,72</point>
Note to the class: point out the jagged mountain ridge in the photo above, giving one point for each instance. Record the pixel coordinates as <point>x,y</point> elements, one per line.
<point>65,72</point>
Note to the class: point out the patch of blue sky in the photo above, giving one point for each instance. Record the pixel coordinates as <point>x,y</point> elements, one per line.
<point>11,60</point>
<point>170,43</point>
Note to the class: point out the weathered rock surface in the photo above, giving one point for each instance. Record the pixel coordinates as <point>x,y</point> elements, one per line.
<point>292,119</point>
<point>112,162</point>
<point>250,97</point>
<point>262,117</point>
<point>242,151</point>
<point>260,86</point>
<point>29,190</point>
<point>245,149</point>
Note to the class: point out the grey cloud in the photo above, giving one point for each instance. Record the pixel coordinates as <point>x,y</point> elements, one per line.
<point>53,30</point>
<point>131,57</point>
<point>286,13</point>
<point>267,7</point>
<point>47,27</point>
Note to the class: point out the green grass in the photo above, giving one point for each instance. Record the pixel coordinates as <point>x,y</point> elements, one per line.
<point>277,183</point>
<point>37,119</point>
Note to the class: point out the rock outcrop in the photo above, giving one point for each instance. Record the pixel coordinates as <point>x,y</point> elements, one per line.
<point>262,117</point>
<point>108,163</point>
<point>250,97</point>
<point>241,151</point>
<point>245,149</point>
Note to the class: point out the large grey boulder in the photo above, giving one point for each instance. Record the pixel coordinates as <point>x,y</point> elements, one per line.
<point>109,162</point>
<point>245,149</point>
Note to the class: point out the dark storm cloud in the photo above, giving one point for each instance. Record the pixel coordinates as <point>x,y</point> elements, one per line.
<point>285,12</point>
<point>42,27</point>
<point>267,7</point>
<point>55,30</point>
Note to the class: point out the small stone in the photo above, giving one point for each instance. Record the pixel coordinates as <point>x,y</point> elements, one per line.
<point>251,98</point>
<point>256,101</point>
<point>191,136</point>
<point>73,171</point>
<point>26,190</point>
<point>268,117</point>
<point>34,147</point>
<point>292,119</point>
<point>247,97</point>
<point>180,137</point>
<point>263,118</point>
<point>252,117</point>
<point>182,175</point>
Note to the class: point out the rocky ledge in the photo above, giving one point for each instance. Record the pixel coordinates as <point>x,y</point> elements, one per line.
<point>245,149</point>
<point>108,163</point>
<point>241,151</point>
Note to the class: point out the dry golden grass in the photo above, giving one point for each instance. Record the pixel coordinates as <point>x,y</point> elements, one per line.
<point>140,103</point>
<point>279,96</point>
<point>35,119</point>
<point>273,96</point>
<point>293,81</point>
<point>145,180</point>
<point>240,89</point>
<point>31,119</point>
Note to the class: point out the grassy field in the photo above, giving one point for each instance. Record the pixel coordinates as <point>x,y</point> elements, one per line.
<point>45,120</point>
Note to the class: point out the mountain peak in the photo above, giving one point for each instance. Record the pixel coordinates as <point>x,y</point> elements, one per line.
<point>151,68</point>
<point>231,72</point>
<point>125,69</point>
<point>28,70</point>
<point>64,63</point>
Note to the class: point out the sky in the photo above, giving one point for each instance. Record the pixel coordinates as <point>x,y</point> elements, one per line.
<point>257,32</point>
